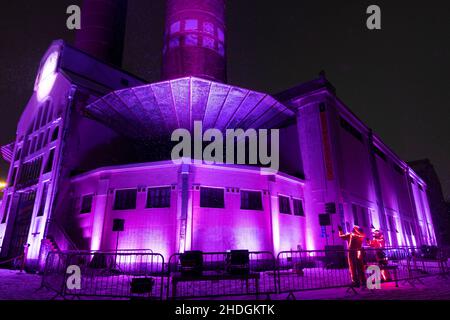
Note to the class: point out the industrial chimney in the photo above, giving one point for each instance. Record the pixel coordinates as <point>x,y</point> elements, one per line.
<point>103,29</point>
<point>195,40</point>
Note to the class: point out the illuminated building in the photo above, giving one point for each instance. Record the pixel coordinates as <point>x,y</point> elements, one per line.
<point>93,145</point>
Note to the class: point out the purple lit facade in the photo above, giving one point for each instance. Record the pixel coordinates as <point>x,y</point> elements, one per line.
<point>92,145</point>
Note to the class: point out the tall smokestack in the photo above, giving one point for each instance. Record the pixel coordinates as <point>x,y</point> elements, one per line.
<point>195,40</point>
<point>103,29</point>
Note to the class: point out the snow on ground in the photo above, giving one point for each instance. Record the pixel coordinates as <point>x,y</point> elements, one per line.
<point>22,286</point>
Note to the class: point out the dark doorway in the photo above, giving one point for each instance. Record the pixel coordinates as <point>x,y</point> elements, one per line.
<point>22,223</point>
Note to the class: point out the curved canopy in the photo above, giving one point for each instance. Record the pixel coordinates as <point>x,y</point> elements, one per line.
<point>157,109</point>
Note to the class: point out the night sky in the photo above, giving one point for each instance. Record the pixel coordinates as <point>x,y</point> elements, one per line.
<point>396,79</point>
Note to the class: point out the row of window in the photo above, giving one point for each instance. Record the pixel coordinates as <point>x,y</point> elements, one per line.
<point>125,199</point>
<point>354,132</point>
<point>30,171</point>
<point>285,206</point>
<point>43,117</point>
<point>350,129</point>
<point>194,40</point>
<point>37,142</point>
<point>195,25</point>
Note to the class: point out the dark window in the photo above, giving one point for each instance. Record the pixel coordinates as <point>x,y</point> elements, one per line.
<point>39,144</point>
<point>379,153</point>
<point>37,120</point>
<point>420,187</point>
<point>350,129</point>
<point>29,172</point>
<point>284,205</point>
<point>212,198</point>
<point>49,163</point>
<point>391,223</point>
<point>33,145</point>
<point>125,199</point>
<point>158,197</point>
<point>408,229</point>
<point>47,133</point>
<point>5,212</point>
<point>43,199</point>
<point>55,134</point>
<point>364,221</point>
<point>251,200</point>
<point>44,115</point>
<point>398,169</point>
<point>50,114</point>
<point>18,153</point>
<point>298,208</point>
<point>13,177</point>
<point>86,203</point>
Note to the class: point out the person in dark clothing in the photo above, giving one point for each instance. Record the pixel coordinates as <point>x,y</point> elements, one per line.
<point>355,257</point>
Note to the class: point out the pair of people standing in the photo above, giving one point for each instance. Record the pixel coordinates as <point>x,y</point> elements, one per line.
<point>355,256</point>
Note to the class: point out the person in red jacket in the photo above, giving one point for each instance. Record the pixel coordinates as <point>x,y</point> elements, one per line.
<point>355,256</point>
<point>379,243</point>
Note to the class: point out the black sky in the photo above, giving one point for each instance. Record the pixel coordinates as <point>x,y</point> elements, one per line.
<point>396,79</point>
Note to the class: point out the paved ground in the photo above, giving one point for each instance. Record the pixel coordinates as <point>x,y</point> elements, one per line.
<point>22,286</point>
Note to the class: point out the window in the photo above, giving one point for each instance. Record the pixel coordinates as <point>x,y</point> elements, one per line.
<point>29,172</point>
<point>364,221</point>
<point>174,42</point>
<point>191,40</point>
<point>298,208</point>
<point>360,216</point>
<point>251,200</point>
<point>49,164</point>
<point>33,145</point>
<point>398,169</point>
<point>284,205</point>
<point>55,134</point>
<point>190,25</point>
<point>125,199</point>
<point>86,203</point>
<point>379,153</point>
<point>408,228</point>
<point>208,27</point>
<point>208,42</point>
<point>43,200</point>
<point>13,177</point>
<point>47,133</point>
<point>37,120</point>
<point>350,129</point>
<point>18,153</point>
<point>212,198</point>
<point>45,114</point>
<point>158,197</point>
<point>221,35</point>
<point>221,49</point>
<point>175,27</point>
<point>5,212</point>
<point>391,222</point>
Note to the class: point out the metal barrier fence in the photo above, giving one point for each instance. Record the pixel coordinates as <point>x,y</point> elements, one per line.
<point>427,261</point>
<point>144,274</point>
<point>106,274</point>
<point>324,269</point>
<point>221,274</point>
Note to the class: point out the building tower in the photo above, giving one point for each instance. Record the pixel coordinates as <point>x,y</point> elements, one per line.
<point>103,29</point>
<point>194,41</point>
